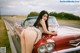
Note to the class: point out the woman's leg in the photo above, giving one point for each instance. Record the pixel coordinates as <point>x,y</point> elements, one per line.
<point>30,37</point>
<point>22,39</point>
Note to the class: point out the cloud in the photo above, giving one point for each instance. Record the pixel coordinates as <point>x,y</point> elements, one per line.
<point>26,6</point>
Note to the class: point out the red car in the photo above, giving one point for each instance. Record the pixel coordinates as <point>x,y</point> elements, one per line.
<point>67,39</point>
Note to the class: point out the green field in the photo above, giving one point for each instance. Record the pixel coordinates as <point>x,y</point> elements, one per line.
<point>4,41</point>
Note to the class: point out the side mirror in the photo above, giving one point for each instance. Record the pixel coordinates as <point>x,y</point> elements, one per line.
<point>22,24</point>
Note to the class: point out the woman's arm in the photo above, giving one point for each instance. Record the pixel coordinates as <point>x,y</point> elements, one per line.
<point>42,22</point>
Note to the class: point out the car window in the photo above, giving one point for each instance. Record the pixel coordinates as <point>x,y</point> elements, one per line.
<point>30,22</point>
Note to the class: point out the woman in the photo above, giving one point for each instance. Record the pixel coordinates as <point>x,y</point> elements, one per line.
<point>28,35</point>
<point>42,23</point>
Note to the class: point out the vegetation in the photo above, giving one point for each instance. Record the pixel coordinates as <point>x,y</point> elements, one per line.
<point>0,17</point>
<point>33,14</point>
<point>64,15</point>
<point>61,15</point>
<point>4,41</point>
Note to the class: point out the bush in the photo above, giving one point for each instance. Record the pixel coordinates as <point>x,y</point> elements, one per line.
<point>63,15</point>
<point>0,17</point>
<point>33,14</point>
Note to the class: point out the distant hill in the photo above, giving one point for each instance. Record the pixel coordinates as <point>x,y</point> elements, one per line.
<point>63,15</point>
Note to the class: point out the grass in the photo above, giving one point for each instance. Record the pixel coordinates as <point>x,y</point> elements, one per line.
<point>4,41</point>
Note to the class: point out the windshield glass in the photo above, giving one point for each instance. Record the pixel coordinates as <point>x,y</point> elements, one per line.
<point>52,21</point>
<point>31,20</point>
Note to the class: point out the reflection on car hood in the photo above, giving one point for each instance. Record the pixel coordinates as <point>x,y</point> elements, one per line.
<point>64,30</point>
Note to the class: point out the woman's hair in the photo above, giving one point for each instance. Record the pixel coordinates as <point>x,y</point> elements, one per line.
<point>40,17</point>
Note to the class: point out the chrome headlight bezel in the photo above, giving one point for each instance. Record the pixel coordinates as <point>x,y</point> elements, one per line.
<point>46,48</point>
<point>50,47</point>
<point>41,47</point>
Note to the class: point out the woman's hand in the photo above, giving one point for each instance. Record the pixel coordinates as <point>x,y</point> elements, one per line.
<point>54,33</point>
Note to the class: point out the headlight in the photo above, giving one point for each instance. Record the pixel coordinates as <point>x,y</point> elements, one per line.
<point>42,49</point>
<point>49,47</point>
<point>46,48</point>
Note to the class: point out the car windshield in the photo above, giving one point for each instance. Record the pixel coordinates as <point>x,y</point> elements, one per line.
<point>52,21</point>
<point>31,20</point>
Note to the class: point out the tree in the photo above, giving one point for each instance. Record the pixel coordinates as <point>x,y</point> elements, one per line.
<point>53,14</point>
<point>33,14</point>
<point>0,16</point>
<point>63,15</point>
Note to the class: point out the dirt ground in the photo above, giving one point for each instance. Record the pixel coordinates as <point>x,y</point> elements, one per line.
<point>71,23</point>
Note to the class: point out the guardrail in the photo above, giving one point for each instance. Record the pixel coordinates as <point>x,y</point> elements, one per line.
<point>14,41</point>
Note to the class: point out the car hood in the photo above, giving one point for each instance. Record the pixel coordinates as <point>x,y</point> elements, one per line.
<point>65,30</point>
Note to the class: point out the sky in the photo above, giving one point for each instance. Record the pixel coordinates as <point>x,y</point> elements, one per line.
<point>24,7</point>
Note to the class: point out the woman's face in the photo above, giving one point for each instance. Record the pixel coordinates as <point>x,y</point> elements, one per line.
<point>45,17</point>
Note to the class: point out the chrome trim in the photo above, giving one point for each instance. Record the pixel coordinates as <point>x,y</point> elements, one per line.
<point>68,50</point>
<point>46,47</point>
<point>75,42</point>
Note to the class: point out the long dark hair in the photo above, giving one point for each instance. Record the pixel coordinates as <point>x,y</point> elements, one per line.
<point>40,17</point>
